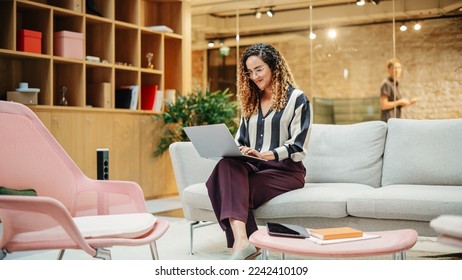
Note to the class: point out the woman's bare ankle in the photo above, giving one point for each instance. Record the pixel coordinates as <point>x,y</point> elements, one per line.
<point>239,245</point>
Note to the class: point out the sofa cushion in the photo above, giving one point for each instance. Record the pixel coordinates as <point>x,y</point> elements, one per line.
<point>196,196</point>
<point>407,202</point>
<point>427,152</point>
<point>346,153</point>
<point>327,200</point>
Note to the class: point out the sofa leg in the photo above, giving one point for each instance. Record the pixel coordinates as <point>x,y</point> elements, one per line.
<point>192,227</point>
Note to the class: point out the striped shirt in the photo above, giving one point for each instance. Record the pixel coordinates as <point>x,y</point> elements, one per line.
<point>286,132</point>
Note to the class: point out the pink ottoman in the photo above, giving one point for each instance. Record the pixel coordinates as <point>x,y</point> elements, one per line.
<point>394,242</point>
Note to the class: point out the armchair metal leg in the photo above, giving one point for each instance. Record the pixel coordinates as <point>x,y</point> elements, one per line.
<point>192,227</point>
<point>61,254</point>
<point>154,253</point>
<point>103,254</point>
<point>3,254</point>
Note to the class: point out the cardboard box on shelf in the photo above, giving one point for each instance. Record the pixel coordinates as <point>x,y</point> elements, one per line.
<point>27,98</point>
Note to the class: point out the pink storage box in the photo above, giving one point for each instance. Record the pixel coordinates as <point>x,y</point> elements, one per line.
<point>29,41</point>
<point>68,44</point>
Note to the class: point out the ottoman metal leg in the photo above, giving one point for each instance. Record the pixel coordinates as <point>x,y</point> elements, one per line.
<point>399,255</point>
<point>264,254</point>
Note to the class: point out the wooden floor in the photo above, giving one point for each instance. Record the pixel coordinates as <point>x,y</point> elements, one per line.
<point>177,213</point>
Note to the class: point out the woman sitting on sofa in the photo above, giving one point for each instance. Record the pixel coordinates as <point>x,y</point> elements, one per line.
<point>275,126</point>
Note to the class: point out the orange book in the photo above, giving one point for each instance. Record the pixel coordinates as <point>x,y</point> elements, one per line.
<point>335,233</point>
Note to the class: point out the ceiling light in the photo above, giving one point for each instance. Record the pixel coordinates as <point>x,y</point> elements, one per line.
<point>417,26</point>
<point>403,27</point>
<point>270,12</point>
<point>312,35</point>
<point>332,33</point>
<point>257,14</point>
<point>360,2</point>
<point>211,44</point>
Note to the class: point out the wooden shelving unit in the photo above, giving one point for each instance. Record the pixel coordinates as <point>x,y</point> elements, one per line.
<point>121,37</point>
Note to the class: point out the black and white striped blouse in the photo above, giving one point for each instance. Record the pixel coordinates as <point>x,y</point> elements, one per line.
<point>286,132</point>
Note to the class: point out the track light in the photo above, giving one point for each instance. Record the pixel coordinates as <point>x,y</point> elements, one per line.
<point>211,44</point>
<point>257,14</point>
<point>360,2</point>
<point>403,27</point>
<point>270,12</point>
<point>376,2</point>
<point>417,26</point>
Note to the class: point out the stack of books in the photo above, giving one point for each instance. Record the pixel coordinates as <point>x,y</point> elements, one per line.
<point>324,236</point>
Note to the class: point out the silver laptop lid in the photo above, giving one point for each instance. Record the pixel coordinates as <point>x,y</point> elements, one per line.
<point>214,141</point>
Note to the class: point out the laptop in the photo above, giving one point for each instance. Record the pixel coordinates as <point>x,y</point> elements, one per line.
<point>214,141</point>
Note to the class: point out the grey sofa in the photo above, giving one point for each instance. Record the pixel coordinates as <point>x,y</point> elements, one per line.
<point>371,176</point>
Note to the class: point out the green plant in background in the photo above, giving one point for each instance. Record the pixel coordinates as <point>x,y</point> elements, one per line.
<point>197,108</point>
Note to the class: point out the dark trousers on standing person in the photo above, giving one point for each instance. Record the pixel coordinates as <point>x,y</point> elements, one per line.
<point>236,187</point>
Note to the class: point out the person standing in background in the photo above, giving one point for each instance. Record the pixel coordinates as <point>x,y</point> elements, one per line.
<point>391,100</point>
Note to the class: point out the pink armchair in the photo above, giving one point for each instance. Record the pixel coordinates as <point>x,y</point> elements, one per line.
<point>71,210</point>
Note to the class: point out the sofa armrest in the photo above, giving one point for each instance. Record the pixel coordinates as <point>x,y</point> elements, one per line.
<point>189,168</point>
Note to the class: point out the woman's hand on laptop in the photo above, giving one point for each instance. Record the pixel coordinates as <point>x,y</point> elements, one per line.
<point>248,151</point>
<point>252,152</point>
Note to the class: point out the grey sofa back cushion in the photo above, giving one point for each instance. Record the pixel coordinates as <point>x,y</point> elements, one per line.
<point>425,152</point>
<point>346,153</point>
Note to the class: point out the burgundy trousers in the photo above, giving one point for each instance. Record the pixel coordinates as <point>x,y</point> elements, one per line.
<point>236,187</point>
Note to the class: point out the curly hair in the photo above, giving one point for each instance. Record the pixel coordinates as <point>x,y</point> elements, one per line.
<point>282,79</point>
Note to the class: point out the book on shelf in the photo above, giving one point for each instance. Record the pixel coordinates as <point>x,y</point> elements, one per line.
<point>159,100</point>
<point>99,95</point>
<point>148,95</point>
<point>126,97</point>
<point>170,96</point>
<point>335,233</point>
<point>134,99</point>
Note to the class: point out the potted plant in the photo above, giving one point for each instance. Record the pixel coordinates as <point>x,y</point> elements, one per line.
<point>196,108</point>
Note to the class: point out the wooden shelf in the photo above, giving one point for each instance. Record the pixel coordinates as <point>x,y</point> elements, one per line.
<point>120,38</point>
